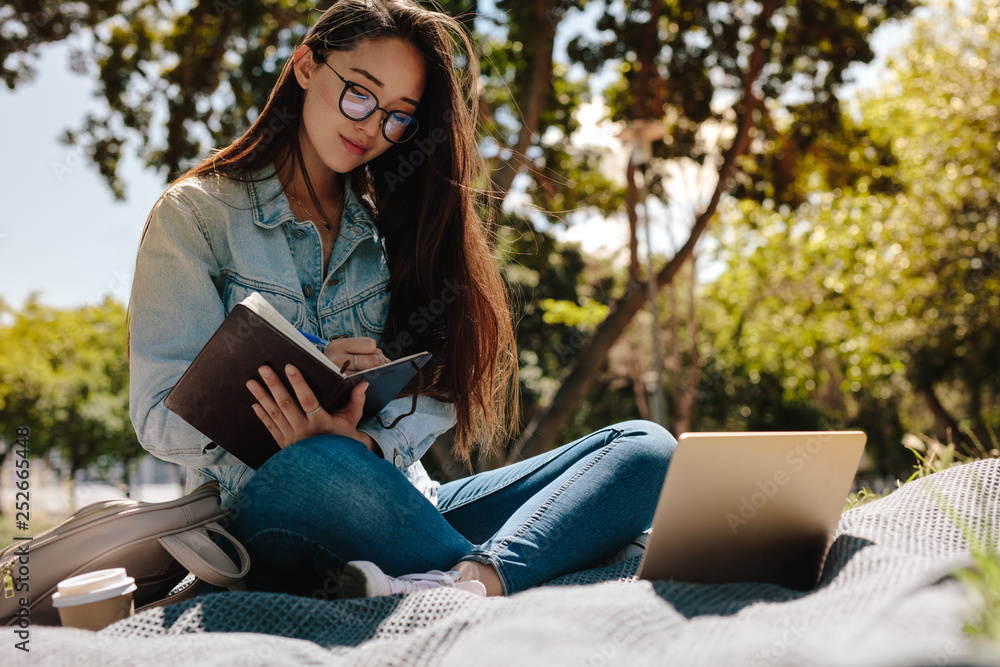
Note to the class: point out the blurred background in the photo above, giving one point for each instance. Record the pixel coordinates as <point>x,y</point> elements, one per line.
<point>746,215</point>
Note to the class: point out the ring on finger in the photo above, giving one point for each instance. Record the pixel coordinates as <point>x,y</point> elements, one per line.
<point>318,408</point>
<point>356,367</point>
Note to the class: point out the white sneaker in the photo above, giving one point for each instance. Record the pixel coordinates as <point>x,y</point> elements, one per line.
<point>363,579</point>
<point>634,549</point>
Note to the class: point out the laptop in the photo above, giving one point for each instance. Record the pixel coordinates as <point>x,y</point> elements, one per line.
<point>751,507</point>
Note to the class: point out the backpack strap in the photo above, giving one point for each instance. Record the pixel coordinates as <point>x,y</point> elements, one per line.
<point>195,550</point>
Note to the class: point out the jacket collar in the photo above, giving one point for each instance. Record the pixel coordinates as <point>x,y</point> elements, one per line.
<point>270,207</point>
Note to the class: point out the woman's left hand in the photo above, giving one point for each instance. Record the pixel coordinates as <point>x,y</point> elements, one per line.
<point>292,418</point>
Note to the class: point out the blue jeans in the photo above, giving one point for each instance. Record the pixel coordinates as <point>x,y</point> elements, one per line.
<point>327,500</point>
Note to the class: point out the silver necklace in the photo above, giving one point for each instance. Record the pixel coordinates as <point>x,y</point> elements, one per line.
<point>326,223</point>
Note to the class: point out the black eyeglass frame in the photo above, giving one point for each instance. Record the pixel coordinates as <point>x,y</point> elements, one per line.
<point>385,118</point>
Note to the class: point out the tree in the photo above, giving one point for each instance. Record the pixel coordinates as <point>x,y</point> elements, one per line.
<point>179,78</point>
<point>760,78</point>
<point>757,54</point>
<point>940,109</point>
<point>64,374</point>
<point>520,72</point>
<point>805,314</point>
<point>880,308</point>
<point>26,26</point>
<point>179,81</point>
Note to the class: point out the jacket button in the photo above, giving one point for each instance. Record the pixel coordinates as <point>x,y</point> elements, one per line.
<point>299,233</point>
<point>308,290</point>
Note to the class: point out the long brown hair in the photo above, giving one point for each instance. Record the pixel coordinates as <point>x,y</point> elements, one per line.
<point>446,292</point>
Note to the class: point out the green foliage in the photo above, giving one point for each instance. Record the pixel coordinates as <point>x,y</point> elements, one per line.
<point>569,177</point>
<point>983,583</point>
<point>538,268</point>
<point>865,495</point>
<point>941,112</point>
<point>585,315</point>
<point>859,253</point>
<point>209,64</point>
<point>26,26</point>
<point>180,78</point>
<point>881,309</point>
<point>800,317</point>
<point>506,62</point>
<point>554,309</point>
<point>982,579</point>
<point>64,374</point>
<point>689,68</point>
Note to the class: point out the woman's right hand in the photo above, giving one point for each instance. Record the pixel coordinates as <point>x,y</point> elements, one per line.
<point>290,418</point>
<point>358,353</point>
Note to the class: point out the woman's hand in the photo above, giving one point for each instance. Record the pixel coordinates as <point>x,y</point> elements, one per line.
<point>359,353</point>
<point>292,418</point>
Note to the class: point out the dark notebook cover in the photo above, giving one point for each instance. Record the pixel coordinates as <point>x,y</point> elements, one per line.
<point>212,395</point>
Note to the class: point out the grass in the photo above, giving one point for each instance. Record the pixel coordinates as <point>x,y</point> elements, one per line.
<point>932,456</point>
<point>983,582</point>
<point>982,578</point>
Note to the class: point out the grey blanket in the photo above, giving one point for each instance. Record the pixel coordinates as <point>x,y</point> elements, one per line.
<point>886,598</point>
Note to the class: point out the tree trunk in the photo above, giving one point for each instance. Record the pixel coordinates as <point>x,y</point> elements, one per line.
<point>631,201</point>
<point>979,434</point>
<point>535,96</point>
<point>71,492</point>
<point>670,410</point>
<point>644,105</point>
<point>694,375</point>
<point>684,398</point>
<point>642,108</point>
<point>3,457</point>
<point>641,401</point>
<point>946,423</point>
<point>541,433</point>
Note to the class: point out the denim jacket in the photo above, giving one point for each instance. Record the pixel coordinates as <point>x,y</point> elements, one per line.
<point>209,244</point>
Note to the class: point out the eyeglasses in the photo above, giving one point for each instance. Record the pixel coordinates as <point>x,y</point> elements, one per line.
<point>358,103</point>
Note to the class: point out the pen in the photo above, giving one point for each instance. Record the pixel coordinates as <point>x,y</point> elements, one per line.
<point>318,342</point>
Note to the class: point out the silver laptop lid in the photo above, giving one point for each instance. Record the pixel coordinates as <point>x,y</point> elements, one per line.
<point>751,506</point>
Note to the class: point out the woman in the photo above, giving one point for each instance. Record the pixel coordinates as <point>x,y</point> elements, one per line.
<point>349,205</point>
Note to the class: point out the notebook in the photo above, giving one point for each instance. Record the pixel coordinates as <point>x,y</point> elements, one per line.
<point>213,397</point>
<point>751,507</point>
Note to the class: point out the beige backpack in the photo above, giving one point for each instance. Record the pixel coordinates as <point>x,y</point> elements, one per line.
<point>158,544</point>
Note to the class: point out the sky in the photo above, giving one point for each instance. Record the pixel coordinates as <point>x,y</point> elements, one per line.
<point>62,234</point>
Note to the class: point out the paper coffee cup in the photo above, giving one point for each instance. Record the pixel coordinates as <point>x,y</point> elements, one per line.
<point>95,600</point>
